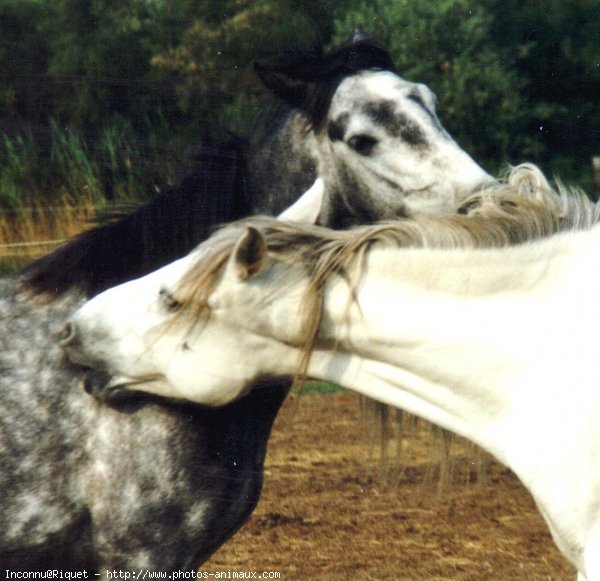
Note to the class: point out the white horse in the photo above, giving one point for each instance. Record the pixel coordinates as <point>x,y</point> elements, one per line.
<point>495,344</point>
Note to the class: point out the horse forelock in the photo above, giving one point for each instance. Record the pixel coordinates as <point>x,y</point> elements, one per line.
<point>315,76</point>
<point>318,66</point>
<point>348,60</point>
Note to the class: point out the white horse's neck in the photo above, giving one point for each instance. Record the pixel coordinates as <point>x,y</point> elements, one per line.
<point>465,337</point>
<point>497,346</point>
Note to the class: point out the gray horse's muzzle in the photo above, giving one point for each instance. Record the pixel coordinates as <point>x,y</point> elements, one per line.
<point>73,344</point>
<point>97,382</point>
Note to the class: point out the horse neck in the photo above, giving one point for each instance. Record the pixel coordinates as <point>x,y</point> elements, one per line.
<point>469,340</point>
<point>498,346</point>
<point>282,159</point>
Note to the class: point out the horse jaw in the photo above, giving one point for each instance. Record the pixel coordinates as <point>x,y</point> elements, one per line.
<point>131,337</point>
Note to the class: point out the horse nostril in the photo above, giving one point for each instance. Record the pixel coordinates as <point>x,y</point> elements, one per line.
<point>67,335</point>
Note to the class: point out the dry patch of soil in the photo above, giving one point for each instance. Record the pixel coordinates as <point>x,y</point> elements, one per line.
<point>324,514</point>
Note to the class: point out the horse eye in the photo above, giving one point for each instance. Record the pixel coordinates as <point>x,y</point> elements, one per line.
<point>362,144</point>
<point>169,301</point>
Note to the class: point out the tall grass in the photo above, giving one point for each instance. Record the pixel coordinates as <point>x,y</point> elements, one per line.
<point>29,232</point>
<point>51,187</point>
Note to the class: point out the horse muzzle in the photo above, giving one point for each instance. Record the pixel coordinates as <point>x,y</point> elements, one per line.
<point>71,343</point>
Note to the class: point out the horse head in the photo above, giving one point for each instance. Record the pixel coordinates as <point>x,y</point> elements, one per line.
<point>380,146</point>
<point>177,332</point>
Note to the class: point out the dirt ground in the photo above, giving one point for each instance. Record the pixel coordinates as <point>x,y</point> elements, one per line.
<point>324,513</point>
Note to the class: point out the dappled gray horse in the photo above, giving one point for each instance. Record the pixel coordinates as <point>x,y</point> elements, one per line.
<point>160,486</point>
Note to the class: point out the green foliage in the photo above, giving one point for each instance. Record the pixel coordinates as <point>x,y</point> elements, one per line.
<point>70,159</point>
<point>103,51</point>
<point>516,80</point>
<point>558,51</point>
<point>213,61</point>
<point>316,387</point>
<point>23,56</point>
<point>68,169</point>
<point>20,170</point>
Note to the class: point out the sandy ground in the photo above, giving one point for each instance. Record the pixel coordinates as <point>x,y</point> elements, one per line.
<point>325,514</point>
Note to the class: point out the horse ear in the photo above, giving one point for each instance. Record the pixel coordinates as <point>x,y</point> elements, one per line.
<point>249,254</point>
<point>311,97</point>
<point>293,91</point>
<point>308,206</point>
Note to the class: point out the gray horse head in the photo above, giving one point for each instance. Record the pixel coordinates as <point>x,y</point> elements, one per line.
<point>373,137</point>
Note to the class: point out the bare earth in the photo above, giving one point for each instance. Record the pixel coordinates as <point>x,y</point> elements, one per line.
<point>325,515</point>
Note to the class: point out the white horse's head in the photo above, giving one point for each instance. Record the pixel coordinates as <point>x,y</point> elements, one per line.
<point>207,341</point>
<point>394,323</point>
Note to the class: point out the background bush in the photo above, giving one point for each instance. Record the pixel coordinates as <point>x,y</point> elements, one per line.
<point>104,96</point>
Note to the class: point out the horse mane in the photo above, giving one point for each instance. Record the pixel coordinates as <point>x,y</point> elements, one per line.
<point>157,233</point>
<point>308,79</point>
<point>521,209</point>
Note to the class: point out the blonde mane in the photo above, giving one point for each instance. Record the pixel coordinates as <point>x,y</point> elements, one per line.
<point>521,209</point>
